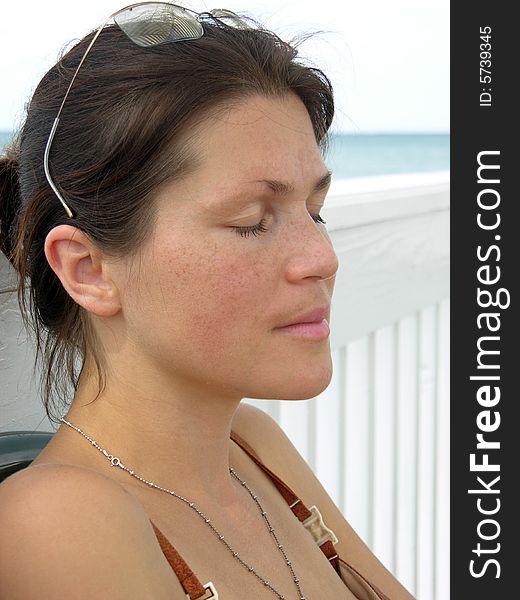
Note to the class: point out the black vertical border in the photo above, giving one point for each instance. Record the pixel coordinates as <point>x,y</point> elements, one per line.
<point>475,129</point>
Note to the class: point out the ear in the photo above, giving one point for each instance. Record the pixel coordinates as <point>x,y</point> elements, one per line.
<point>82,270</point>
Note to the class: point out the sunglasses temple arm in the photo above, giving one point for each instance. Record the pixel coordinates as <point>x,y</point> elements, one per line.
<point>57,120</point>
<point>46,168</point>
<point>92,42</point>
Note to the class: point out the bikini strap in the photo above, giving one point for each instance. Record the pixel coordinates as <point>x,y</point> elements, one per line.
<point>311,518</point>
<point>189,581</point>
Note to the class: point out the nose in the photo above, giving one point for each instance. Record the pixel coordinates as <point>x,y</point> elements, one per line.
<point>311,254</point>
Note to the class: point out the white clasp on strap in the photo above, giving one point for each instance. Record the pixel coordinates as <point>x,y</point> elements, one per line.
<point>317,528</point>
<point>212,589</point>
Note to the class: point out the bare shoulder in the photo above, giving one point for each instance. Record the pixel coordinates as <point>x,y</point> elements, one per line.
<point>276,450</point>
<point>71,532</point>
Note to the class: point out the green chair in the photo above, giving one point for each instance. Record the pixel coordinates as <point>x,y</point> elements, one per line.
<point>19,448</point>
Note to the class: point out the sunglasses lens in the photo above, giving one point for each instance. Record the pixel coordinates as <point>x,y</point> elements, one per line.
<point>156,23</point>
<point>229,18</point>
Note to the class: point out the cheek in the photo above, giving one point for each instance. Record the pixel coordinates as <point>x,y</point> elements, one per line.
<point>218,295</point>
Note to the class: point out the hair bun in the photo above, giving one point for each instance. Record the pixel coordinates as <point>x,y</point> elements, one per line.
<point>9,203</point>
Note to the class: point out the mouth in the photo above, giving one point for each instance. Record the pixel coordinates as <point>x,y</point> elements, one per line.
<point>315,330</point>
<point>312,325</point>
<point>313,316</point>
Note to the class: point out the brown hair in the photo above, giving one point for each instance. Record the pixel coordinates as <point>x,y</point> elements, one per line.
<point>122,134</point>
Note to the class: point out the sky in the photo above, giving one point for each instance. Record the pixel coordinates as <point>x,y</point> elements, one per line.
<point>388,61</point>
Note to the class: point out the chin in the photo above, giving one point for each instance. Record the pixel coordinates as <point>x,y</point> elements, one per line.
<point>304,393</point>
<point>297,384</point>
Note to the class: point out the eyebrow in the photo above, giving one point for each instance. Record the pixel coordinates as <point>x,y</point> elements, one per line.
<point>282,188</point>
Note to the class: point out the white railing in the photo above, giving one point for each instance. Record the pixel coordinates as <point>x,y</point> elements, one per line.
<point>378,437</point>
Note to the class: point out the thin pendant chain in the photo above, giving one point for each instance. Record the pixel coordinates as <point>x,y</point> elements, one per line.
<point>115,462</point>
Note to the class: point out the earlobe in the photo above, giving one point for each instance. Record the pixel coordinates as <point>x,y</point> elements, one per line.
<point>82,270</point>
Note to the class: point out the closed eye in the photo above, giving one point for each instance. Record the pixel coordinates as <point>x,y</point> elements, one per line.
<point>261,228</point>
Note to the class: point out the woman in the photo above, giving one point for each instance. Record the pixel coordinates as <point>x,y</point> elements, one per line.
<point>163,200</point>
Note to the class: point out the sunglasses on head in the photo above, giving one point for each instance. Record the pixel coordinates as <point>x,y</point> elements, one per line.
<point>146,24</point>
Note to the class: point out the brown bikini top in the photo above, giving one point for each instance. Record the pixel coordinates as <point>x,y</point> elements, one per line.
<point>310,519</point>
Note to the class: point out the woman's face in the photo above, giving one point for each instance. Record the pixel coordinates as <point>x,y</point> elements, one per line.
<point>202,302</point>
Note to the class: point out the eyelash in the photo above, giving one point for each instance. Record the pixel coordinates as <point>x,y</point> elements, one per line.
<point>260,227</point>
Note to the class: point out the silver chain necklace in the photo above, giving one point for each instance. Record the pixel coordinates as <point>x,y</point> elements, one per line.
<point>115,462</point>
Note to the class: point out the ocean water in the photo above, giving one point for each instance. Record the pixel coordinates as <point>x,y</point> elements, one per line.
<point>5,136</point>
<point>362,155</point>
<point>354,155</point>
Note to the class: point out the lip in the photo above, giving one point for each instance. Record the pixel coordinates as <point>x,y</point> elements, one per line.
<point>314,331</point>
<point>314,316</point>
<point>311,325</point>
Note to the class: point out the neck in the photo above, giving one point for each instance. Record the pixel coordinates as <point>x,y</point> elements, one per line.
<point>178,440</point>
